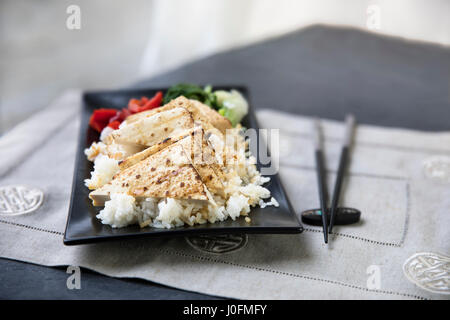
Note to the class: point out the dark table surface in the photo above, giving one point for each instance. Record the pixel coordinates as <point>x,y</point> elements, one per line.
<point>320,71</point>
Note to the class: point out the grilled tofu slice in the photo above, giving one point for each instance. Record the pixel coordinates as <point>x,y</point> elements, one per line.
<point>137,157</point>
<point>201,155</point>
<point>183,169</point>
<point>121,151</point>
<point>180,102</point>
<point>204,160</point>
<point>166,174</point>
<point>150,130</point>
<point>207,116</point>
<point>201,113</point>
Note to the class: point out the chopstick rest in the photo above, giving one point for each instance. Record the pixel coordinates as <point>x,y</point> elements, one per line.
<point>344,216</point>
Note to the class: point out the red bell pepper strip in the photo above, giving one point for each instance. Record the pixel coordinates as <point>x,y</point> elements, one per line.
<point>113,118</point>
<point>154,102</point>
<point>114,124</point>
<point>121,115</point>
<point>136,106</point>
<point>100,118</point>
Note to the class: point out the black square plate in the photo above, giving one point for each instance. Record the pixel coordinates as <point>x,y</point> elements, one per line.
<point>83,227</point>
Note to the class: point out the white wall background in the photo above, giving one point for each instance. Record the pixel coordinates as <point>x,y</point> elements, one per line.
<point>121,41</point>
<point>180,31</point>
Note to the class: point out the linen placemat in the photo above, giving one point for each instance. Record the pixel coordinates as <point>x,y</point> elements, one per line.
<point>398,178</point>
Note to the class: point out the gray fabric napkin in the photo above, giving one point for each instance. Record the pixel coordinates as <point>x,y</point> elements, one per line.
<point>405,210</point>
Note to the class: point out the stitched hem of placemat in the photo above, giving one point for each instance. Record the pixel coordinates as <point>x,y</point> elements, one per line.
<point>382,243</point>
<point>344,235</point>
<point>339,234</point>
<point>391,244</point>
<point>31,227</point>
<point>246,266</point>
<point>290,274</point>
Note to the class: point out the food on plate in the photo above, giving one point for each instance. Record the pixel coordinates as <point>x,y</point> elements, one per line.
<point>200,112</point>
<point>153,129</point>
<point>234,106</point>
<point>176,164</point>
<point>192,92</point>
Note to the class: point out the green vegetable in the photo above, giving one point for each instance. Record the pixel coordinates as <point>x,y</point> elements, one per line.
<point>231,105</point>
<point>192,91</point>
<point>234,105</point>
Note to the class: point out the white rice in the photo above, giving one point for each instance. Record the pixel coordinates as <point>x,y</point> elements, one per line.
<point>105,133</point>
<point>120,211</point>
<point>104,170</point>
<point>237,205</point>
<point>243,190</point>
<point>94,150</point>
<point>254,193</point>
<point>123,210</point>
<point>170,213</point>
<point>272,202</point>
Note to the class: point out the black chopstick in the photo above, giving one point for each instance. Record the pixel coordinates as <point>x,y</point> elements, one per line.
<point>343,160</point>
<point>321,177</point>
